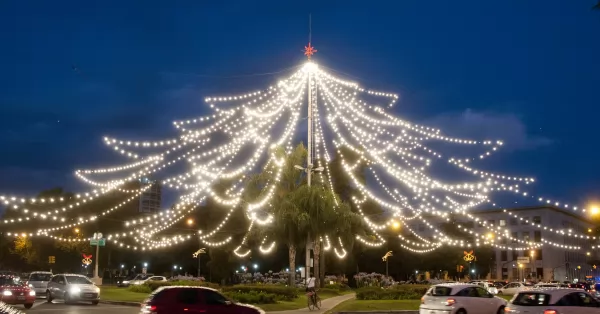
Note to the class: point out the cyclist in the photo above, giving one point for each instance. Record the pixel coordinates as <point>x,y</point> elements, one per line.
<point>310,287</point>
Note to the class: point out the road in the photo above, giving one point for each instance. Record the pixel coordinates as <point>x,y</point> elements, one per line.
<point>57,307</point>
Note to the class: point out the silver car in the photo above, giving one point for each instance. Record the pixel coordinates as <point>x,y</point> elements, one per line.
<point>72,288</point>
<point>38,281</point>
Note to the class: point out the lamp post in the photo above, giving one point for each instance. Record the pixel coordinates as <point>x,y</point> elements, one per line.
<point>197,255</point>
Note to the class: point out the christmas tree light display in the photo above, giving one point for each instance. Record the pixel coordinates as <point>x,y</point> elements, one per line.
<point>239,136</point>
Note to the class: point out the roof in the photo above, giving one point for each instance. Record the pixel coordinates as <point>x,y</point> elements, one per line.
<point>525,208</point>
<point>172,287</point>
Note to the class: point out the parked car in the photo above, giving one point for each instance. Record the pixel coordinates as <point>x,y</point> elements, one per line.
<point>72,288</point>
<point>151,278</point>
<point>134,281</point>
<point>487,286</point>
<point>13,291</point>
<point>38,281</point>
<point>7,309</point>
<point>184,300</point>
<point>540,285</point>
<point>553,300</point>
<point>460,299</point>
<point>514,288</point>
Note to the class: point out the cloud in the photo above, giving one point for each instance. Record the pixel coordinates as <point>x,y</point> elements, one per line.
<point>507,127</point>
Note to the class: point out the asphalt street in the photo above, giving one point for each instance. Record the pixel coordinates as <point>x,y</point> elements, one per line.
<point>57,307</point>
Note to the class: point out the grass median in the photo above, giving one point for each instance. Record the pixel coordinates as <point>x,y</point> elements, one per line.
<point>109,293</point>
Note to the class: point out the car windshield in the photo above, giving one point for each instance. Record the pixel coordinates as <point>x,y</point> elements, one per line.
<point>78,280</point>
<point>440,291</point>
<point>9,281</point>
<point>40,277</point>
<point>531,299</point>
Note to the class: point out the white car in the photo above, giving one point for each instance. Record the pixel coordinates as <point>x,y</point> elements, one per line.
<point>488,286</point>
<point>460,299</point>
<point>513,288</point>
<point>38,281</point>
<point>141,281</point>
<point>553,300</point>
<point>72,288</point>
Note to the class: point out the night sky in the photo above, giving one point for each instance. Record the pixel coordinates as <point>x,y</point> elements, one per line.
<point>526,72</point>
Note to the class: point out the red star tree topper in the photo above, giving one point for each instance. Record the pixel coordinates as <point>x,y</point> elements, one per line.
<point>309,50</point>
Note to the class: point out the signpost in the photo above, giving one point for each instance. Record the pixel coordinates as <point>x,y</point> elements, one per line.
<point>98,241</point>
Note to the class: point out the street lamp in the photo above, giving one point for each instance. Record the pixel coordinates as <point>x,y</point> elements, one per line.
<point>145,264</point>
<point>255,266</point>
<point>175,267</point>
<point>190,221</point>
<point>76,230</point>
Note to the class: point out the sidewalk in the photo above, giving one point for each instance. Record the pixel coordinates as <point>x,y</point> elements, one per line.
<point>326,304</point>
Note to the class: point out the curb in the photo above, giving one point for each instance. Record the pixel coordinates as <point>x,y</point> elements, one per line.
<point>137,304</point>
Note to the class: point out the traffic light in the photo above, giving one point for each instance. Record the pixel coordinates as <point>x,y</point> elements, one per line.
<point>51,259</point>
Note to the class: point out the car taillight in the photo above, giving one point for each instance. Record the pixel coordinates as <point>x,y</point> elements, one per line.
<point>550,312</point>
<point>507,310</point>
<point>422,300</point>
<point>450,302</point>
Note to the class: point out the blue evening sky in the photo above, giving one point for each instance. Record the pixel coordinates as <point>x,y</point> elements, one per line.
<point>523,71</point>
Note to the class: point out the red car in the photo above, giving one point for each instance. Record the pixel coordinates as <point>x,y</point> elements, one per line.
<point>13,291</point>
<point>188,300</point>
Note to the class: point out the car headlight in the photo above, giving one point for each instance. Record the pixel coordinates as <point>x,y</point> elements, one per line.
<point>75,290</point>
<point>6,293</point>
<point>125,282</point>
<point>32,293</point>
<point>97,290</point>
<point>30,285</point>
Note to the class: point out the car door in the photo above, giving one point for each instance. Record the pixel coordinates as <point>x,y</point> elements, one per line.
<point>469,299</point>
<point>53,284</point>
<point>510,289</point>
<point>487,299</point>
<point>187,300</point>
<point>578,302</point>
<point>60,287</point>
<point>216,303</point>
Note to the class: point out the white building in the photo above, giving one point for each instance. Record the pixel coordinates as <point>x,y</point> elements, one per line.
<point>550,261</point>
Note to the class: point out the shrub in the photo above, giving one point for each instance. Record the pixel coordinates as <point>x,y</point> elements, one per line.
<point>402,292</point>
<point>280,292</point>
<point>253,297</point>
<point>153,285</point>
<point>338,286</point>
<point>140,289</point>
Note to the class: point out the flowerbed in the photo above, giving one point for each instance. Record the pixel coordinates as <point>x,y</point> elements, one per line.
<point>281,293</point>
<point>150,286</point>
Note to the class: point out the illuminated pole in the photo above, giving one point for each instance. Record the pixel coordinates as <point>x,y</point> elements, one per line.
<point>309,51</point>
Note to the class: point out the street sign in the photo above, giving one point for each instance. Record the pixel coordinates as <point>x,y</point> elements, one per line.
<point>98,242</point>
<point>51,259</point>
<point>523,259</point>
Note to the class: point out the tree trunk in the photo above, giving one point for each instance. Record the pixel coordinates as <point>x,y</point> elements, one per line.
<point>292,255</point>
<point>316,259</point>
<point>322,266</point>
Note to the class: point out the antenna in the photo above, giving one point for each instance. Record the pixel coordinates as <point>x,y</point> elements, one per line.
<point>309,27</point>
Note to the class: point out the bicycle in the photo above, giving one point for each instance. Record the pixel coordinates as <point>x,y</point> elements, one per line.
<point>314,301</point>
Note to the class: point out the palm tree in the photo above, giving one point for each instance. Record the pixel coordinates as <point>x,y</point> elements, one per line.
<point>300,210</point>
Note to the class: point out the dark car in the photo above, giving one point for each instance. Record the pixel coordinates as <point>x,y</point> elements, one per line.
<point>7,309</point>
<point>182,299</point>
<point>581,285</point>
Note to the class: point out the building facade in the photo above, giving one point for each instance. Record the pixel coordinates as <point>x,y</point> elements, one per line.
<point>556,254</point>
<point>150,201</point>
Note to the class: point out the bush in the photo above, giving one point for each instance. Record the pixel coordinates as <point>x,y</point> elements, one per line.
<point>253,297</point>
<point>140,289</point>
<point>153,285</point>
<point>402,292</point>
<point>194,283</point>
<point>280,292</point>
<point>338,286</point>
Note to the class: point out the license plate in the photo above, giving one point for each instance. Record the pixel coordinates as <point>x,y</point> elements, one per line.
<point>88,295</point>
<point>20,298</point>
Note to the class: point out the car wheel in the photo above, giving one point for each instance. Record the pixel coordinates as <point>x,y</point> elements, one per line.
<point>48,296</point>
<point>500,310</point>
<point>461,311</point>
<point>28,305</point>
<point>95,302</point>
